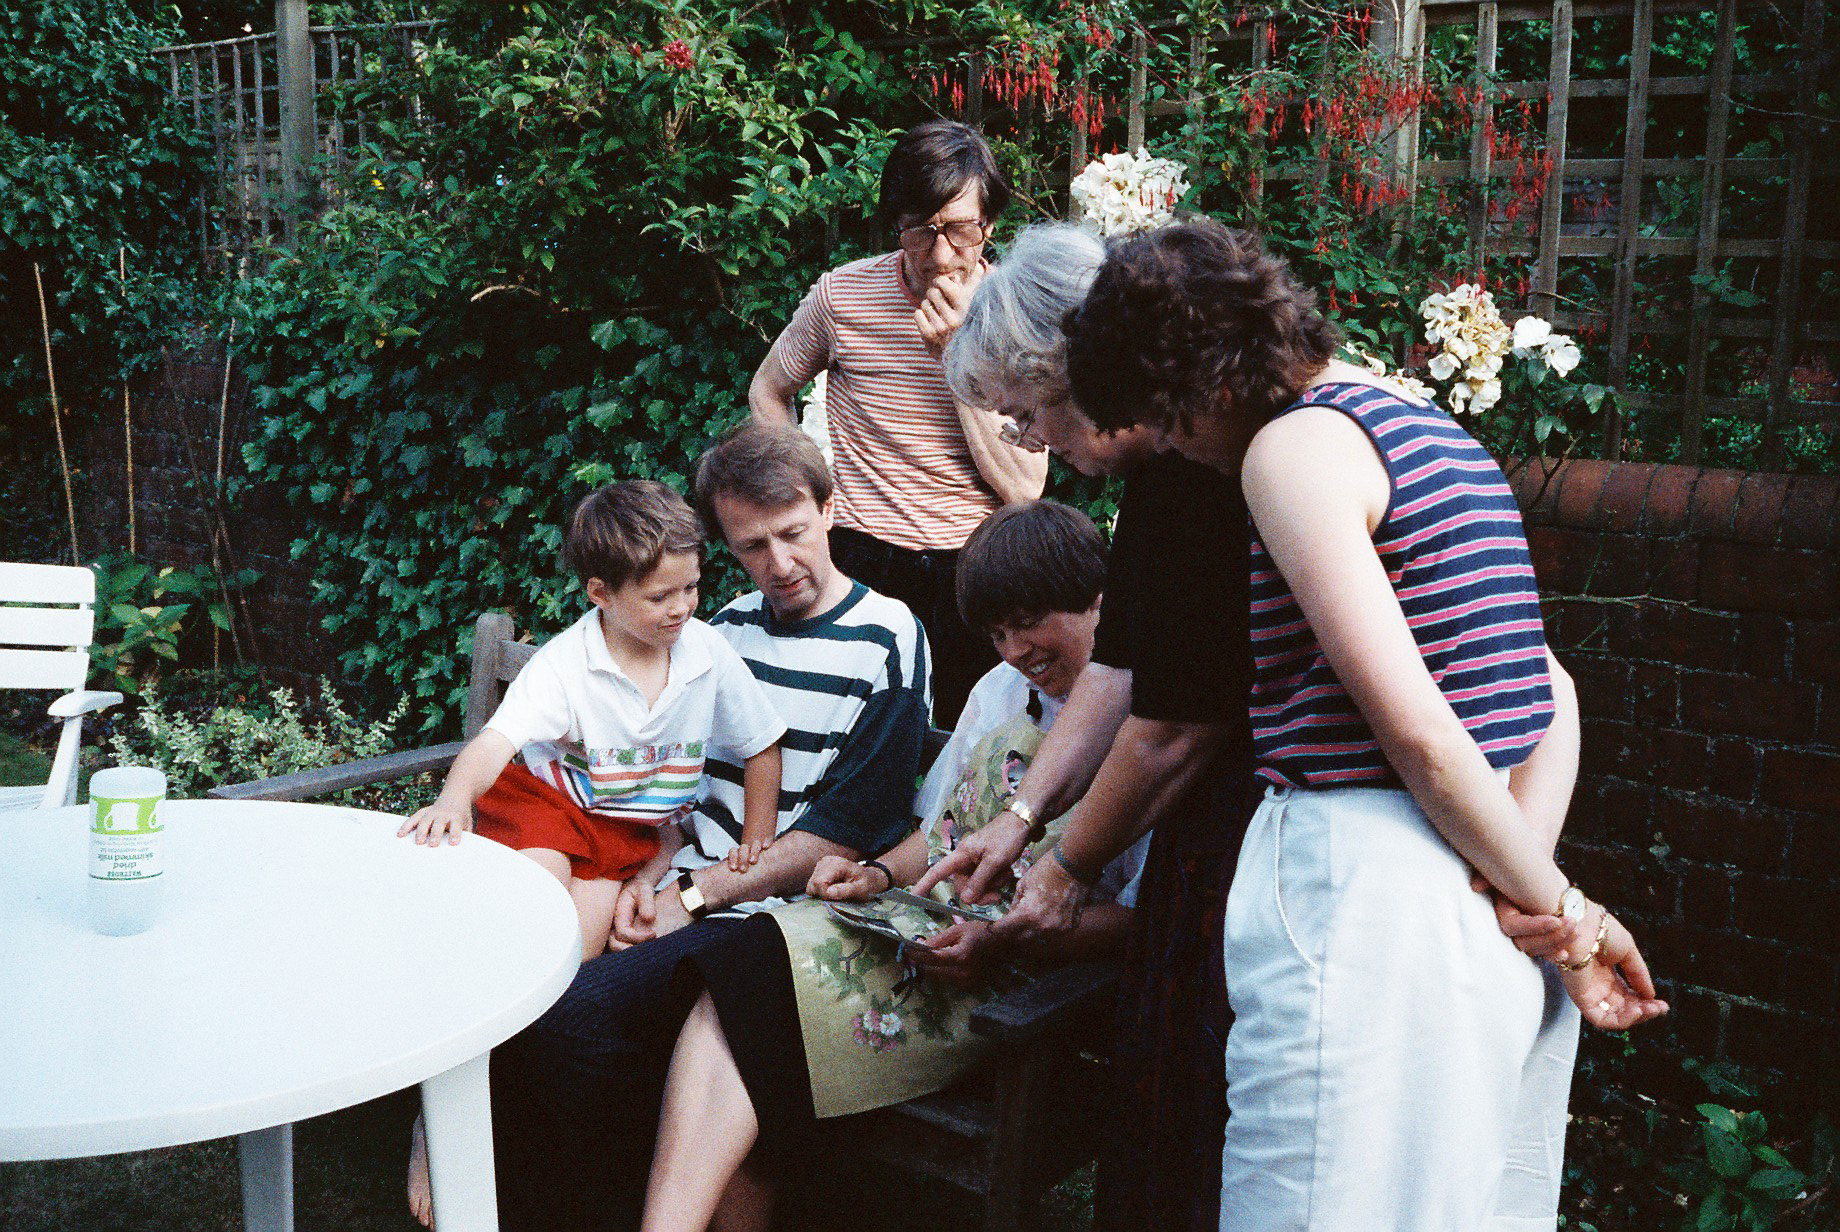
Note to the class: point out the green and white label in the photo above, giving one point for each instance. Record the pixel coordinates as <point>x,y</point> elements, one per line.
<point>125,839</point>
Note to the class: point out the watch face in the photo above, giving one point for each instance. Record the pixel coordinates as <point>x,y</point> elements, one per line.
<point>1572,903</point>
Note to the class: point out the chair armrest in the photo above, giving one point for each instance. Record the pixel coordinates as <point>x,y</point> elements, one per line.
<point>83,701</point>
<point>1055,999</point>
<point>323,781</point>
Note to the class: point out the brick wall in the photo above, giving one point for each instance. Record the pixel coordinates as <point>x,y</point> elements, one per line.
<point>1699,612</point>
<point>176,417</point>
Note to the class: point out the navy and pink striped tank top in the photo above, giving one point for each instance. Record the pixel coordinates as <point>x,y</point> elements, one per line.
<point>1454,549</point>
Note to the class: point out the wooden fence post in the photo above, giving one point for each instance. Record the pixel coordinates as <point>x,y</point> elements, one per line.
<point>1706,248</point>
<point>1552,203</point>
<point>1134,114</point>
<point>294,73</point>
<point>1785,332</point>
<point>1629,216</point>
<point>1399,41</point>
<point>1480,154</point>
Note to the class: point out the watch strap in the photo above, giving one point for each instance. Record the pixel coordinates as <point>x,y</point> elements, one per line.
<point>692,897</point>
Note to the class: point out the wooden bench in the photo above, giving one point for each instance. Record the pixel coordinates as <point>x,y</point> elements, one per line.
<point>1000,1139</point>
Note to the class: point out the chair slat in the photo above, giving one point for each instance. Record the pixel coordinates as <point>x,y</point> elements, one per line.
<point>43,669</point>
<point>512,658</point>
<point>46,626</point>
<point>46,584</point>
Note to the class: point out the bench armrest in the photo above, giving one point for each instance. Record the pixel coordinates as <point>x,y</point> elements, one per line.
<point>83,701</point>
<point>1061,996</point>
<point>323,781</point>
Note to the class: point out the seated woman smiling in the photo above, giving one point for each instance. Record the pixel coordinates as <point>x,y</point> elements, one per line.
<point>803,1016</point>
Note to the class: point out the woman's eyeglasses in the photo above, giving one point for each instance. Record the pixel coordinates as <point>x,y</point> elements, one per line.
<point>1019,430</point>
<point>961,235</point>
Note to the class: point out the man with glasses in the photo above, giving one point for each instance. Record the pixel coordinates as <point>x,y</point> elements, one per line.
<point>916,470</point>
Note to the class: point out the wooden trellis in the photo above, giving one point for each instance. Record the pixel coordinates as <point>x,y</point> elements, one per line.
<point>232,88</point>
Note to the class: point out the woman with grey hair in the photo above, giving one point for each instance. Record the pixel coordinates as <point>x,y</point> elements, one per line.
<point>1174,721</point>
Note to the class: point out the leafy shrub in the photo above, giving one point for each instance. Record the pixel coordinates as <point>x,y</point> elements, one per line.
<point>239,740</point>
<point>1744,1182</point>
<point>143,613</point>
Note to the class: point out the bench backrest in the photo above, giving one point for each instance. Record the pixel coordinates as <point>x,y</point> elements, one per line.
<point>46,624</point>
<point>497,659</point>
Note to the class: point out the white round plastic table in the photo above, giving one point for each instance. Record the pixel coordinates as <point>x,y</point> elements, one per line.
<point>305,959</point>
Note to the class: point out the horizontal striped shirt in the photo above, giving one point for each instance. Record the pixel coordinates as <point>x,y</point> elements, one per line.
<point>1455,552</point>
<point>584,727</point>
<point>861,665</point>
<point>904,471</point>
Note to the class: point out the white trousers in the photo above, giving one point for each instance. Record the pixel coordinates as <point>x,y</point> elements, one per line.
<point>1395,1064</point>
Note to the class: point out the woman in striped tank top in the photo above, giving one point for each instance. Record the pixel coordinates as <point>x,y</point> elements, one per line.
<point>1395,1061</point>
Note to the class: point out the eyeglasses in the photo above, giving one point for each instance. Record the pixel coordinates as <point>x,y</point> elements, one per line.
<point>1019,430</point>
<point>963,234</point>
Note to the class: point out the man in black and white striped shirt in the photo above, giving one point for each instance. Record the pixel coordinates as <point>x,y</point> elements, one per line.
<point>848,670</point>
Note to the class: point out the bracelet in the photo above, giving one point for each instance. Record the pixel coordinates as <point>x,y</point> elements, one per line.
<point>1597,946</point>
<point>1020,809</point>
<point>885,870</point>
<point>1089,880</point>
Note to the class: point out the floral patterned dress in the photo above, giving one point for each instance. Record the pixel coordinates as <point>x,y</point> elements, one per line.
<point>876,1031</point>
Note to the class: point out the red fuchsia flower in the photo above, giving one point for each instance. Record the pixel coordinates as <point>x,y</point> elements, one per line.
<point>677,56</point>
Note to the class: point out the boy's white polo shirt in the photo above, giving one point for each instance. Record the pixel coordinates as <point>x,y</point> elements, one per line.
<point>584,727</point>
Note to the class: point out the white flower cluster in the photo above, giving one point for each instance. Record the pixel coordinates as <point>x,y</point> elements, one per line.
<point>1123,194</point>
<point>1411,384</point>
<point>815,417</point>
<point>1474,341</point>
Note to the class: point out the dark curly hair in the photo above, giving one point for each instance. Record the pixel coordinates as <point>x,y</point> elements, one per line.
<point>1184,314</point>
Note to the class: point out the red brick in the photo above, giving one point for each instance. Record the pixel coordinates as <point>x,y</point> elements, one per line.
<point>1617,750</point>
<point>1536,488</point>
<point>1811,983</point>
<point>1695,1022</point>
<point>1802,779</point>
<point>1689,636</point>
<point>1670,498</point>
<point>1760,506</point>
<point>1581,481</point>
<point>1743,578</point>
<point>1562,558</point>
<point>1809,514</point>
<point>1603,685</point>
<point>1680,759</point>
<point>1621,500</point>
<point>1817,651</point>
<point>1620,624</point>
<point>1620,566</point>
<point>1715,503</point>
<point>1654,694</point>
<point>1739,706</point>
<point>1815,842</point>
<point>1773,1039</point>
<point>1731,771</point>
<point>1617,813</point>
<point>1673,569</point>
<point>1705,895</point>
<point>1576,625</point>
<point>1712,832</point>
<point>1788,909</point>
<point>1763,645</point>
<point>1723,961</point>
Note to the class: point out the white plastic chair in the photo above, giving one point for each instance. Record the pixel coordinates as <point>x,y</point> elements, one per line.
<point>46,625</point>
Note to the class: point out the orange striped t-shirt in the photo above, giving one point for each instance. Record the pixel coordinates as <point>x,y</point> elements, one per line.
<point>904,472</point>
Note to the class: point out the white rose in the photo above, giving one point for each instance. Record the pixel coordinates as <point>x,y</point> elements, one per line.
<point>1530,332</point>
<point>1443,366</point>
<point>1561,354</point>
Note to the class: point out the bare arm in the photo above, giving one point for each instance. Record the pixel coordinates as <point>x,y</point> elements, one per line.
<point>771,391</point>
<point>760,776</point>
<point>1542,785</point>
<point>840,880</point>
<point>1064,766</point>
<point>474,771</point>
<point>1316,490</point>
<point>783,870</point>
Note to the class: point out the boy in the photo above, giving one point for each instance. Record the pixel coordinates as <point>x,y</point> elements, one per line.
<point>613,717</point>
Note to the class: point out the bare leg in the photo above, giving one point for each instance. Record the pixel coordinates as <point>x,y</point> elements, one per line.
<point>594,902</point>
<point>421,1192</point>
<point>705,1131</point>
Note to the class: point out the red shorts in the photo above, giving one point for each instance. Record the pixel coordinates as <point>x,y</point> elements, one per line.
<point>521,810</point>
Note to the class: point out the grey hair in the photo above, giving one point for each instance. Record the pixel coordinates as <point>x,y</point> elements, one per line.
<point>1010,348</point>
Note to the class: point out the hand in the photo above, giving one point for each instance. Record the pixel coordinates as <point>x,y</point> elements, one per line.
<point>943,310</point>
<point>986,855</point>
<point>1048,901</point>
<point>838,880</point>
<point>440,818</point>
<point>1536,936</point>
<point>961,953</point>
<point>668,914</point>
<point>1615,992</point>
<point>745,855</point>
<point>635,914</point>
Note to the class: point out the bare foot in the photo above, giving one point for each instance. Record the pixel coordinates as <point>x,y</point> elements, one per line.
<point>421,1193</point>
